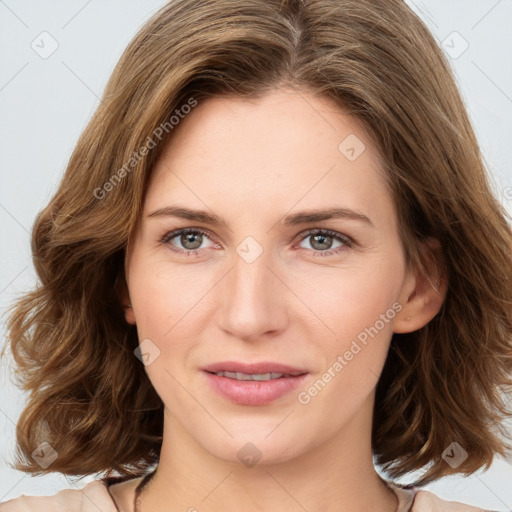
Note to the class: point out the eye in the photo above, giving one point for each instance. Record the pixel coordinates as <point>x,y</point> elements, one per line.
<point>321,240</point>
<point>190,240</point>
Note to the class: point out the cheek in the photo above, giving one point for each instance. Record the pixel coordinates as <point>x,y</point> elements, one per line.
<point>358,304</point>
<point>365,322</point>
<point>353,361</point>
<point>162,296</point>
<point>349,301</point>
<point>164,302</point>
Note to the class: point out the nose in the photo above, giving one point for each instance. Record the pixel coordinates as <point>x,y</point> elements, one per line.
<point>253,301</point>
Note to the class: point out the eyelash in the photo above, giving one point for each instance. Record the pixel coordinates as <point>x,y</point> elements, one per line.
<point>348,242</point>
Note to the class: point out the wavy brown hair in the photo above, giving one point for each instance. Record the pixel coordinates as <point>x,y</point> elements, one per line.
<point>90,397</point>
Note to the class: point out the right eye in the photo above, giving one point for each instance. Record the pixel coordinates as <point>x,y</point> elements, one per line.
<point>190,240</point>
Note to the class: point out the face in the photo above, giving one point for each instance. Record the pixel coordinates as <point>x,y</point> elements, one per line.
<point>256,278</point>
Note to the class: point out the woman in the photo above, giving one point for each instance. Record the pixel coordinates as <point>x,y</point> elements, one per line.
<point>274,256</point>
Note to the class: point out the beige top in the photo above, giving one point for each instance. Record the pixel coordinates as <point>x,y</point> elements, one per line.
<point>97,496</point>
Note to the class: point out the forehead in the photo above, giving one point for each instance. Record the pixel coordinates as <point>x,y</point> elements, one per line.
<point>286,148</point>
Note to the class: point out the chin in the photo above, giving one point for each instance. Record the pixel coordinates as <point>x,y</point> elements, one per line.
<point>258,450</point>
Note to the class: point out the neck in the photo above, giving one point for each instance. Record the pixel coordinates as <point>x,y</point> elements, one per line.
<point>336,476</point>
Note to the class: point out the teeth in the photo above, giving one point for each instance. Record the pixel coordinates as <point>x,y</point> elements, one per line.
<point>265,376</point>
<point>251,376</point>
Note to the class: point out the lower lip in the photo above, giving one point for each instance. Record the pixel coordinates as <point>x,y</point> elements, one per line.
<point>253,392</point>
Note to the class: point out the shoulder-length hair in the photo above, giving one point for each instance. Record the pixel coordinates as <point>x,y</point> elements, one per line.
<point>90,397</point>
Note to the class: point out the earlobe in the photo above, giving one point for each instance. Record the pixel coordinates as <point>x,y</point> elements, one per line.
<point>128,314</point>
<point>424,290</point>
<point>124,298</point>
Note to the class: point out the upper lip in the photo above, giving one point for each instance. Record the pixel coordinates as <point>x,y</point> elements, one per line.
<point>252,368</point>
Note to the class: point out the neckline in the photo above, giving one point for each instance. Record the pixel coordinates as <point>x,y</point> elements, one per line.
<point>108,481</point>
<point>406,494</point>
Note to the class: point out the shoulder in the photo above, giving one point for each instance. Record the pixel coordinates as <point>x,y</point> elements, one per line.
<point>426,501</point>
<point>414,499</point>
<point>93,497</point>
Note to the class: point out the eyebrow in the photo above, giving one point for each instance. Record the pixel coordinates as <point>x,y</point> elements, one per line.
<point>302,217</point>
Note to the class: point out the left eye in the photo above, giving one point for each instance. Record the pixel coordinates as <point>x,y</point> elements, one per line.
<point>322,241</point>
<point>191,240</point>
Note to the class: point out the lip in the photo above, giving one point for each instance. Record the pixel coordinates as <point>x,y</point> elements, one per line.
<point>262,367</point>
<point>250,392</point>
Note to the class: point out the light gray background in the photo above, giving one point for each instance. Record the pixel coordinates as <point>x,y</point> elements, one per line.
<point>46,102</point>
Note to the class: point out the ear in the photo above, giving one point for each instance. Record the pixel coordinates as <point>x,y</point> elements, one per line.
<point>423,292</point>
<point>124,297</point>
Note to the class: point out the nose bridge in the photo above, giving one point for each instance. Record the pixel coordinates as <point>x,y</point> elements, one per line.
<point>252,304</point>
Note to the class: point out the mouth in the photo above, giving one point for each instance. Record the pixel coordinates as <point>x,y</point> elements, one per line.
<point>262,368</point>
<point>256,376</point>
<point>253,384</point>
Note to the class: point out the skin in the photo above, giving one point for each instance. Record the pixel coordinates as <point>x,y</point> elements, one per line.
<point>252,163</point>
